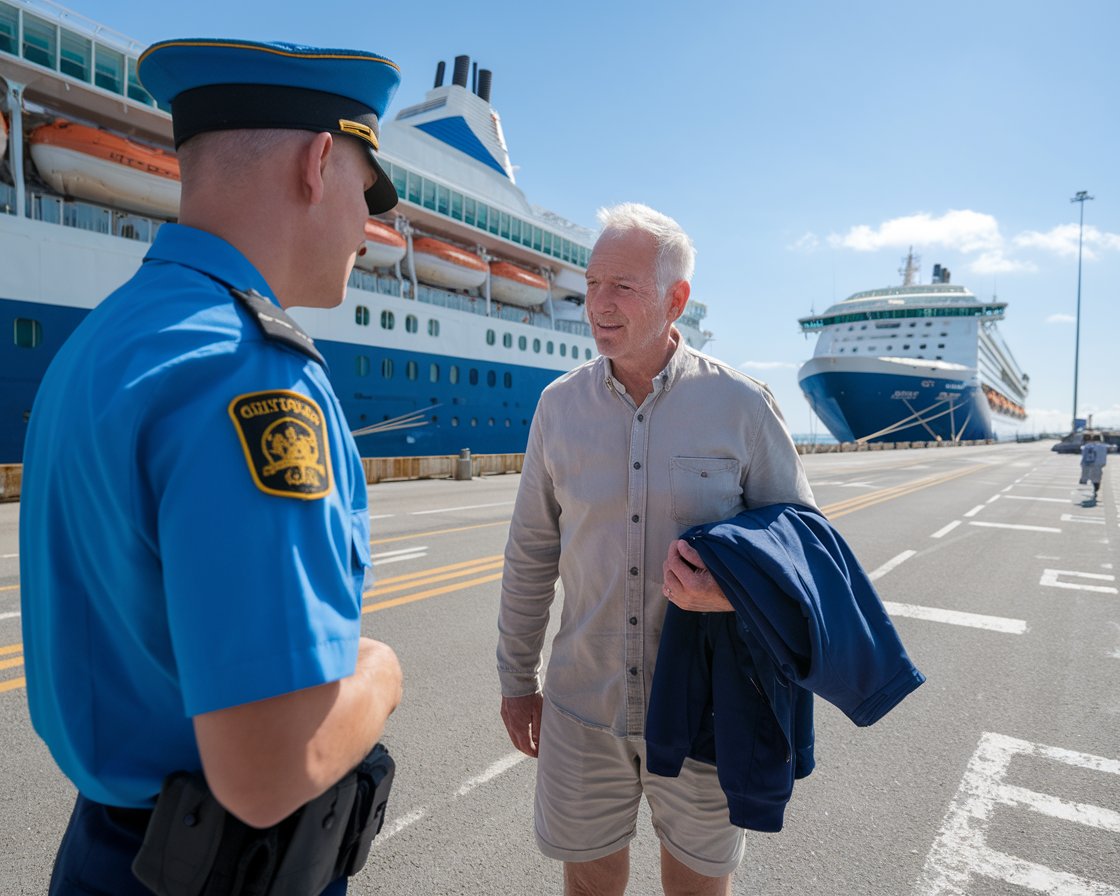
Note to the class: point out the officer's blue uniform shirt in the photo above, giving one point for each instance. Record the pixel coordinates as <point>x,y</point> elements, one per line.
<point>194,528</point>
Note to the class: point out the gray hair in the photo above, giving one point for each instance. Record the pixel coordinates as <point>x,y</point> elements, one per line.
<point>676,256</point>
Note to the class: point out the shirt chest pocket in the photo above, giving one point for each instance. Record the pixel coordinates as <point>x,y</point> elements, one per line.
<point>704,489</point>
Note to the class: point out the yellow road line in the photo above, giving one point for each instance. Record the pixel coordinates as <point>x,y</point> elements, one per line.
<point>430,579</point>
<point>11,664</point>
<point>8,587</point>
<point>430,532</point>
<point>12,685</point>
<point>424,572</point>
<point>420,595</point>
<point>861,502</point>
<point>11,648</point>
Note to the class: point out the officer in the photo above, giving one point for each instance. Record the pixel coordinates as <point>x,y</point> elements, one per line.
<point>194,530</point>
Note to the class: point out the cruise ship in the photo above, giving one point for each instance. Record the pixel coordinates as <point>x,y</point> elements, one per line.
<point>913,363</point>
<point>466,300</point>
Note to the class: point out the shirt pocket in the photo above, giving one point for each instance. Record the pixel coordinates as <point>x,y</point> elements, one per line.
<point>704,489</point>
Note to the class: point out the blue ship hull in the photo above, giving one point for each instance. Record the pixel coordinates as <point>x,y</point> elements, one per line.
<point>897,407</point>
<point>490,416</point>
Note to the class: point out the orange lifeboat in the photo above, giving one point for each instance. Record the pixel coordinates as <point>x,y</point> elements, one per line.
<point>88,163</point>
<point>442,264</point>
<point>514,285</point>
<point>383,246</point>
<point>3,136</point>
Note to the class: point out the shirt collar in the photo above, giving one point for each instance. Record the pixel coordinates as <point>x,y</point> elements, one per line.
<point>666,379</point>
<point>210,255</point>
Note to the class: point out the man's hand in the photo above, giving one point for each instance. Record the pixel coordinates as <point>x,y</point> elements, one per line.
<point>688,583</point>
<point>522,716</point>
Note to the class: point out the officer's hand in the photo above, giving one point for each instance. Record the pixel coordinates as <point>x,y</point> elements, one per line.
<point>688,583</point>
<point>379,662</point>
<point>522,716</point>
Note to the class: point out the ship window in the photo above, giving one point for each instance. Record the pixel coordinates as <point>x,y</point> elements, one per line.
<point>851,328</point>
<point>9,27</point>
<point>905,348</point>
<point>361,365</point>
<point>587,353</point>
<point>388,321</point>
<point>387,368</point>
<point>864,327</point>
<point>400,180</point>
<point>410,370</point>
<point>889,347</point>
<point>913,324</point>
<point>943,335</point>
<point>28,333</point>
<point>433,373</point>
<point>507,381</point>
<point>490,422</point>
<point>457,206</point>
<point>428,194</point>
<point>490,337</point>
<point>74,55</point>
<point>469,216</point>
<point>39,41</point>
<point>433,327</point>
<point>923,345</point>
<point>575,351</point>
<point>522,342</point>
<point>508,424</point>
<point>546,242</point>
<point>548,347</point>
<point>474,421</point>
<point>537,238</point>
<point>491,378</point>
<point>411,325</point>
<point>483,214</point>
<point>563,350</point>
<point>507,340</point>
<point>939,357</point>
<point>473,377</point>
<point>504,219</point>
<point>361,315</point>
<point>453,374</point>
<point>454,421</point>
<point>941,345</point>
<point>929,323</point>
<point>515,230</point>
<point>537,346</point>
<point>108,69</point>
<point>443,200</point>
<point>415,184</point>
<point>494,221</point>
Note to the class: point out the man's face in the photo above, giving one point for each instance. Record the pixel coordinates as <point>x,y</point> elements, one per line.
<point>629,319</point>
<point>348,175</point>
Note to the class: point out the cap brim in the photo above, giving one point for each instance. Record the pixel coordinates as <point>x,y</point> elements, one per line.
<point>382,196</point>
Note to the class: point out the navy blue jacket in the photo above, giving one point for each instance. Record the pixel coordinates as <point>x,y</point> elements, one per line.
<point>735,689</point>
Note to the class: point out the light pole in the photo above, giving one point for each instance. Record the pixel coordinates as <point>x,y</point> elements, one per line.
<point>1079,198</point>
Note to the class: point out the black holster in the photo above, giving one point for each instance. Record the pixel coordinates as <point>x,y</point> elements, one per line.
<point>194,847</point>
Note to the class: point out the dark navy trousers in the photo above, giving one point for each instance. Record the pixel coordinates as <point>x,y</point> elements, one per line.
<point>95,858</point>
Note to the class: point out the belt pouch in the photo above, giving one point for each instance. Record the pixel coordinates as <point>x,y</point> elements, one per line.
<point>374,780</point>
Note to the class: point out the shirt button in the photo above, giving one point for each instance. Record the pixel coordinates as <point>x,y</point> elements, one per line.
<point>633,620</point>
<point>633,670</point>
<point>634,518</point>
<point>641,417</point>
<point>637,465</point>
<point>633,570</point>
<point>704,474</point>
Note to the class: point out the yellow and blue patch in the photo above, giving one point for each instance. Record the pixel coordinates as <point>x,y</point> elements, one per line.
<point>284,436</point>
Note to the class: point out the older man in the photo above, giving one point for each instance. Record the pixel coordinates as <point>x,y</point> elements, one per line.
<point>626,452</point>
<point>194,530</point>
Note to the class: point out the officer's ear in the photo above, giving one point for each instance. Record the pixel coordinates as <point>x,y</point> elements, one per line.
<point>313,162</point>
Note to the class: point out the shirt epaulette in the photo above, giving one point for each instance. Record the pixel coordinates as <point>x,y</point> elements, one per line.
<point>275,323</point>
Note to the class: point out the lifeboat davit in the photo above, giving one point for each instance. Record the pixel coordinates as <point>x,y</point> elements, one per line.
<point>442,264</point>
<point>516,286</point>
<point>88,163</point>
<point>383,246</point>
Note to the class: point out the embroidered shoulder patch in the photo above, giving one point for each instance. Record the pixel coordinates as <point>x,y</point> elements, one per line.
<point>284,435</point>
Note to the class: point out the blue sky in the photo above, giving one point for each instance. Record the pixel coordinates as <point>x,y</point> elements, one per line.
<point>804,146</point>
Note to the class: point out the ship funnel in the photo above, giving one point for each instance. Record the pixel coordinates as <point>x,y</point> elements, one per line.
<point>937,273</point>
<point>462,69</point>
<point>440,69</point>
<point>485,78</point>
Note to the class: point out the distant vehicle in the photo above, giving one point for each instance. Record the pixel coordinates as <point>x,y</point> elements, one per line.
<point>1072,443</point>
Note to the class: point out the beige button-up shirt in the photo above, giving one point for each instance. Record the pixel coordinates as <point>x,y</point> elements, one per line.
<point>605,489</point>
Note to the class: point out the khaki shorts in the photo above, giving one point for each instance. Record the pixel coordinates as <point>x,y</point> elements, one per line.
<point>589,786</point>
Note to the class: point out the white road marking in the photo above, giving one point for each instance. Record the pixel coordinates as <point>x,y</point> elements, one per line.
<point>399,552</point>
<point>1050,579</point>
<point>502,765</point>
<point>992,498</point>
<point>9,616</point>
<point>961,851</point>
<point>1070,518</point>
<point>945,530</point>
<point>890,564</point>
<point>1034,498</point>
<point>402,557</point>
<point>955,617</point>
<point>1016,526</point>
<point>381,516</point>
<point>975,510</point>
<point>453,509</point>
<point>8,556</point>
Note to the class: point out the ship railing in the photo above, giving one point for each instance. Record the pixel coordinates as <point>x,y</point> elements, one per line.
<point>80,215</point>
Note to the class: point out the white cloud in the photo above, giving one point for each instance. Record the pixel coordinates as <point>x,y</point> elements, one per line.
<point>960,229</point>
<point>1061,319</point>
<point>807,242</point>
<point>1062,241</point>
<point>995,262</point>
<point>768,365</point>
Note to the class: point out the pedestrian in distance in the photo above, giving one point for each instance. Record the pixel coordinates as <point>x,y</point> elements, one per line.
<point>1094,456</point>
<point>194,533</point>
<point>625,452</point>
